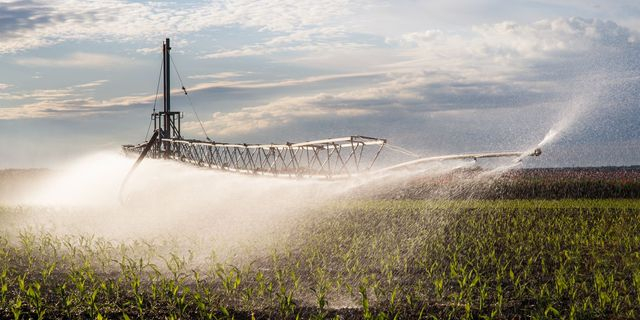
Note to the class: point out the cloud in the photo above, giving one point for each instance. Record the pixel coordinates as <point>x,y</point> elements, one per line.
<point>91,84</point>
<point>70,101</point>
<point>264,49</point>
<point>414,94</point>
<point>66,104</point>
<point>255,84</point>
<point>217,75</point>
<point>316,39</point>
<point>510,41</point>
<point>515,69</point>
<point>78,99</point>
<point>76,60</point>
<point>31,24</point>
<point>275,114</point>
<point>149,50</point>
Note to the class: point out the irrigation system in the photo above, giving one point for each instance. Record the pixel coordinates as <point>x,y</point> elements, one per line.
<point>333,158</point>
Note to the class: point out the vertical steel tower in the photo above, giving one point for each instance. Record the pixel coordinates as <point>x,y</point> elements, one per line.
<point>167,121</point>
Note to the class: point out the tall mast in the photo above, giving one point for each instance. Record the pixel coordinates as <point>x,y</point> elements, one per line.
<point>166,66</point>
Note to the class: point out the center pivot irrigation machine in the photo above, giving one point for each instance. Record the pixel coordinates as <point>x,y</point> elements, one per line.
<point>328,158</point>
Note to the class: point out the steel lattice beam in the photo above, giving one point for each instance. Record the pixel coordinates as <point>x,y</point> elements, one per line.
<point>329,158</point>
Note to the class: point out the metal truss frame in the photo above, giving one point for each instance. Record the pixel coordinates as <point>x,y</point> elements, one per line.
<point>328,158</point>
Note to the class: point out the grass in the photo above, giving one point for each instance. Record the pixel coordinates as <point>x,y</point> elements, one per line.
<point>387,259</point>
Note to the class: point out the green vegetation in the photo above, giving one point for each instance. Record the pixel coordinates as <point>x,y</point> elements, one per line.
<point>563,183</point>
<point>547,183</point>
<point>401,259</point>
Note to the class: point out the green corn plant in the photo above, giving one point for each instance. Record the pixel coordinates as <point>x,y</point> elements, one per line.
<point>16,308</point>
<point>285,300</point>
<point>321,299</point>
<point>47,271</point>
<point>35,300</point>
<point>439,287</point>
<point>4,286</point>
<point>366,313</point>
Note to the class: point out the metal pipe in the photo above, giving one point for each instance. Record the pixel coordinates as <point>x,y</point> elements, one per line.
<point>474,156</point>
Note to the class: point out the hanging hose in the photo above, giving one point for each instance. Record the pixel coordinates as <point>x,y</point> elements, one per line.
<point>143,154</point>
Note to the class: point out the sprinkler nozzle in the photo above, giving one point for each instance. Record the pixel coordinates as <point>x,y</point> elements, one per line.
<point>536,152</point>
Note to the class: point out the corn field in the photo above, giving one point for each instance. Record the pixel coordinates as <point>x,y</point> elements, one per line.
<point>372,259</point>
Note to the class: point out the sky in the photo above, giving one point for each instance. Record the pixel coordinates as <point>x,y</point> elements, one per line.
<point>435,77</point>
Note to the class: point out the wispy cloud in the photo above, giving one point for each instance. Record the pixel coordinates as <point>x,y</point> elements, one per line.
<point>256,84</point>
<point>415,93</point>
<point>79,101</point>
<point>217,75</point>
<point>91,84</point>
<point>276,114</point>
<point>263,49</point>
<point>307,39</point>
<point>69,101</point>
<point>76,60</point>
<point>148,50</point>
<point>65,104</point>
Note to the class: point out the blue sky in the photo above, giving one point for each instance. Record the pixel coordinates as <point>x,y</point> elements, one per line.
<point>433,76</point>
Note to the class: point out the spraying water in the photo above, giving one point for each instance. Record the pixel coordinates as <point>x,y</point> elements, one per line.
<point>165,198</point>
<point>203,211</point>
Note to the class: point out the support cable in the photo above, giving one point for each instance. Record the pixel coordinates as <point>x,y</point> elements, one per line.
<point>189,98</point>
<point>155,101</point>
